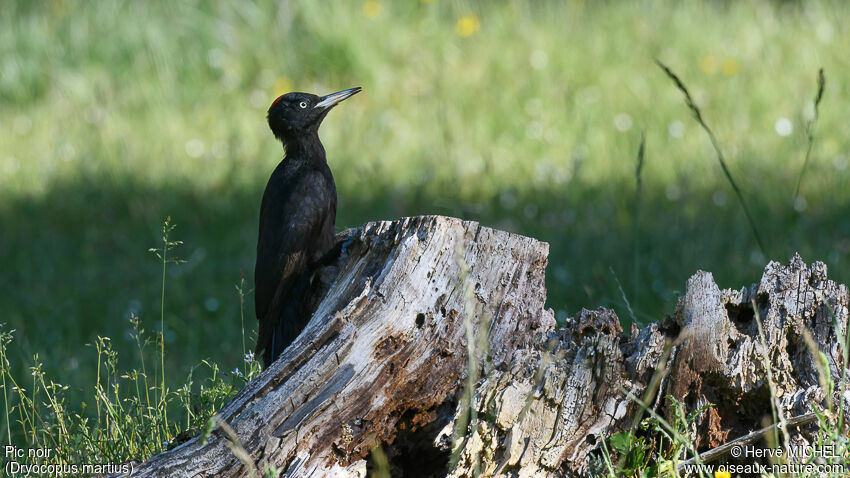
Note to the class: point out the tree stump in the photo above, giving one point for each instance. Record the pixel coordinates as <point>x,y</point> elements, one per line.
<point>547,413</point>
<point>430,340</point>
<point>385,354</point>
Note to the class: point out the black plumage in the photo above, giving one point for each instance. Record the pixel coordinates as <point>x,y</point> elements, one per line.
<point>296,219</point>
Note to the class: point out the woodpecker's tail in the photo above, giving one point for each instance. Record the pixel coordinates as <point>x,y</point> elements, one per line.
<point>293,319</point>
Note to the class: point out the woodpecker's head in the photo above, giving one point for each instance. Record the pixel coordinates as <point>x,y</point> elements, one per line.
<point>297,114</point>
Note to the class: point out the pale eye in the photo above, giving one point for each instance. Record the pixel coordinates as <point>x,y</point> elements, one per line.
<point>303,104</point>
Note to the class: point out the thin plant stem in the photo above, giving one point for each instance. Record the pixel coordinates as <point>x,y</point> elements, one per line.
<point>636,223</point>
<point>162,324</point>
<point>476,346</point>
<point>5,338</point>
<point>623,295</point>
<point>810,131</point>
<point>774,402</point>
<point>162,254</point>
<point>722,159</point>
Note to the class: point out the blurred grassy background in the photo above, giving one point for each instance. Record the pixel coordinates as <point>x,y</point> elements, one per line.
<point>523,116</point>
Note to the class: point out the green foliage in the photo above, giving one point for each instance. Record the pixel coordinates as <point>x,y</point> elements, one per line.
<point>633,450</point>
<point>130,420</point>
<point>656,447</point>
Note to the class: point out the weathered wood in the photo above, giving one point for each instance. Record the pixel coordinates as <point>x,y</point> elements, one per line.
<point>416,310</point>
<point>384,354</point>
<point>725,449</point>
<point>725,360</point>
<point>545,415</point>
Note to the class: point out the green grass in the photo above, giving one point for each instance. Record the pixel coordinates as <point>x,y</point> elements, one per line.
<point>116,115</point>
<point>129,418</point>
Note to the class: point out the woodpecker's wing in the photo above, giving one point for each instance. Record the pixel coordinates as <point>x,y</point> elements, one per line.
<point>293,218</point>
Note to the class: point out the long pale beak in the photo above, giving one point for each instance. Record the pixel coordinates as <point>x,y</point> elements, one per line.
<point>334,98</point>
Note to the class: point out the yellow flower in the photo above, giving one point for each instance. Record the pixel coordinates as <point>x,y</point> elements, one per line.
<point>722,473</point>
<point>371,8</point>
<point>282,85</point>
<point>708,64</point>
<point>730,67</point>
<point>468,25</point>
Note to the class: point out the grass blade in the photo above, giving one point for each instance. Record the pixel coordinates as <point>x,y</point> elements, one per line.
<point>636,226</point>
<point>698,116</point>
<point>810,131</point>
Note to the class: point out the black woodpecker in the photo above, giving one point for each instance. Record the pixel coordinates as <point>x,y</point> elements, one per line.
<point>296,218</point>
